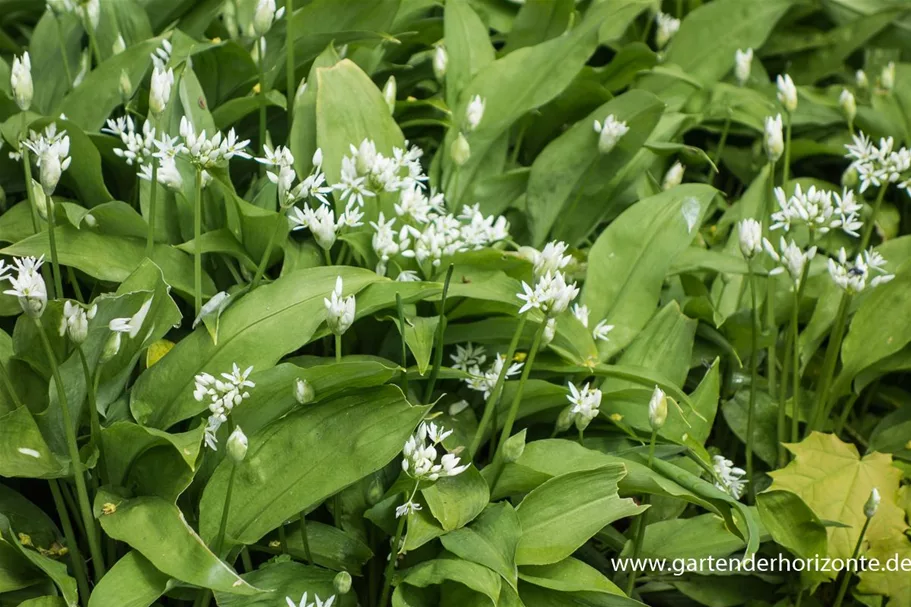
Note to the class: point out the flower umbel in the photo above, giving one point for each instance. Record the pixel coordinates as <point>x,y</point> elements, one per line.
<point>221,394</point>
<point>339,310</point>
<point>729,478</point>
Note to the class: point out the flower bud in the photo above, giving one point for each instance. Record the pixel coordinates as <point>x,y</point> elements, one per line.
<point>440,61</point>
<point>40,198</point>
<point>848,104</point>
<point>750,238</point>
<point>550,330</point>
<point>237,445</point>
<point>460,150</point>
<point>119,46</point>
<point>774,139</point>
<point>565,419</point>
<point>887,78</point>
<point>317,157</point>
<point>126,87</point>
<point>743,64</point>
<point>787,92</point>
<point>674,176</point>
<point>263,17</point>
<point>850,177</point>
<point>160,91</point>
<point>301,89</point>
<point>111,347</point>
<point>20,80</point>
<point>872,504</point>
<point>303,391</point>
<point>92,14</point>
<point>342,582</point>
<point>657,409</point>
<point>474,113</point>
<point>861,80</point>
<point>514,447</point>
<point>51,171</point>
<point>457,407</point>
<point>375,491</point>
<point>389,91</point>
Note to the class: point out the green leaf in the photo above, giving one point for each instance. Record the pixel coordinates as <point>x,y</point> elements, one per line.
<point>451,568</point>
<point>283,579</point>
<point>628,262</point>
<point>456,501</point>
<point>765,422</point>
<point>467,45</point>
<point>56,570</point>
<point>835,482</point>
<point>419,335</point>
<point>257,331</point>
<point>568,575</point>
<point>302,138</point>
<point>336,442</point>
<point>794,526</point>
<point>20,440</point>
<point>695,537</point>
<point>157,529</point>
<point>490,540</point>
<point>330,547</point>
<point>571,164</point>
<point>579,504</point>
<point>539,22</point>
<point>132,582</point>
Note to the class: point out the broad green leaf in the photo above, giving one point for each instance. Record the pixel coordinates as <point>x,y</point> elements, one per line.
<point>695,537</point>
<point>539,22</point>
<point>793,526</point>
<point>25,517</point>
<point>132,582</point>
<point>451,568</point>
<point>579,504</point>
<point>568,575</point>
<point>420,332</point>
<point>56,570</point>
<point>334,443</point>
<point>24,451</point>
<point>628,262</point>
<point>456,501</point>
<point>256,331</point>
<point>835,482</point>
<point>290,579</point>
<point>765,422</point>
<point>55,43</point>
<point>158,530</point>
<point>538,596</point>
<point>330,547</point>
<point>16,572</point>
<point>302,138</point>
<point>571,164</point>
<point>467,45</point>
<point>490,540</point>
<point>349,109</point>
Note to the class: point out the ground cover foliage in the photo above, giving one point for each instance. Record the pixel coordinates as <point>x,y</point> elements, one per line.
<point>416,303</point>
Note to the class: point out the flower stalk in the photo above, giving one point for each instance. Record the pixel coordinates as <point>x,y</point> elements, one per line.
<point>754,377</point>
<point>641,521</point>
<point>438,340</point>
<point>197,245</point>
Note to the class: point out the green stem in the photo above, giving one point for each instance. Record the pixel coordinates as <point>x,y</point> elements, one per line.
<point>771,327</point>
<point>868,228</point>
<point>787,151</point>
<point>197,245</point>
<point>71,275</point>
<point>76,461</point>
<point>843,587</point>
<point>390,566</point>
<point>93,42</point>
<point>262,100</point>
<point>327,256</point>
<point>828,365</point>
<point>795,361</point>
<point>401,310</point>
<point>150,239</point>
<point>526,371</point>
<point>8,384</point>
<point>282,538</point>
<point>754,379</point>
<point>91,385</point>
<point>438,340</point>
<point>491,404</point>
<point>75,554</point>
<point>581,437</point>
<point>52,241</point>
<point>63,49</point>
<point>722,142</point>
<point>641,522</point>
<point>246,560</point>
<point>305,539</point>
<point>338,348</point>
<point>264,261</point>
<point>223,525</point>
<point>290,88</point>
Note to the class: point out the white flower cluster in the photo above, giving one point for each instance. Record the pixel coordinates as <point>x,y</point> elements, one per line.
<point>339,310</point>
<point>206,152</point>
<point>668,25</point>
<point>602,330</point>
<point>52,151</point>
<point>787,92</point>
<point>75,321</point>
<point>316,601</point>
<point>820,210</point>
<point>551,294</point>
<point>484,381</point>
<point>27,285</point>
<point>138,147</point>
<point>585,404</point>
<point>222,395</point>
<point>420,459</point>
<point>610,133</point>
<point>789,257</point>
<point>880,165</point>
<point>853,277</point>
<point>728,477</point>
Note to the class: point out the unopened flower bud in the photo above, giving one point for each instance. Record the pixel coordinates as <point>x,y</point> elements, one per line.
<point>40,198</point>
<point>20,80</point>
<point>263,17</point>
<point>861,80</point>
<point>848,104</point>
<point>111,347</point>
<point>126,87</point>
<point>550,330</point>
<point>565,419</point>
<point>440,61</point>
<point>342,582</point>
<point>303,391</point>
<point>460,150</point>
<point>474,113</point>
<point>657,409</point>
<point>119,46</point>
<point>887,78</point>
<point>750,238</point>
<point>389,91</point>
<point>160,91</point>
<point>237,445</point>
<point>787,92</point>
<point>301,89</point>
<point>514,447</point>
<point>743,64</point>
<point>872,504</point>
<point>850,178</point>
<point>375,491</point>
<point>674,176</point>
<point>774,138</point>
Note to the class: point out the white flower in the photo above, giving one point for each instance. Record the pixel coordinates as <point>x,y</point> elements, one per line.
<point>878,165</point>
<point>468,356</point>
<point>339,310</point>
<point>321,223</point>
<point>750,238</point>
<point>728,477</point>
<point>581,312</point>
<point>861,80</point>
<point>667,27</point>
<point>264,15</point>
<point>789,257</point>
<point>389,91</point>
<point>816,210</point>
<point>485,381</point>
<point>20,81</point>
<point>440,61</point>
<point>221,395</point>
<point>774,139</point>
<point>887,77</point>
<point>160,89</point>
<point>674,176</point>
<point>787,92</point>
<point>415,204</point>
<point>119,45</point>
<point>743,63</point>
<point>460,150</point>
<point>848,104</point>
<point>657,409</point>
<point>610,133</point>
<point>420,456</point>
<point>551,258</point>
<point>585,404</point>
<point>133,324</point>
<point>602,330</point>
<point>162,55</point>
<point>303,602</point>
<point>550,331</point>
<point>28,285</point>
<point>474,112</point>
<point>853,277</point>
<point>75,321</point>
<point>406,509</point>
<point>550,294</point>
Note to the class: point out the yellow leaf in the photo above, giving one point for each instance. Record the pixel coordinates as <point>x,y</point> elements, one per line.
<point>835,482</point>
<point>895,584</point>
<point>157,350</point>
